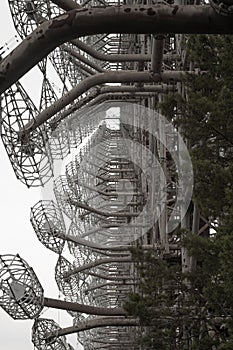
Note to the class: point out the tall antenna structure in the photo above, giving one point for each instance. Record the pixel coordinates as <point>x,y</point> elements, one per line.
<point>129,184</point>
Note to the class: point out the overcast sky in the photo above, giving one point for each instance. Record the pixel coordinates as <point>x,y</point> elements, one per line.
<point>16,233</point>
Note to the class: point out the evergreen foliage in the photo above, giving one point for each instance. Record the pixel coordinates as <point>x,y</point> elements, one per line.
<point>205,117</point>
<point>195,310</point>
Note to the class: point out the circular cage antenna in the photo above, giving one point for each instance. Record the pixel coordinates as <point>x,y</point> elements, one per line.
<point>67,287</point>
<point>21,294</point>
<point>40,331</point>
<point>49,226</point>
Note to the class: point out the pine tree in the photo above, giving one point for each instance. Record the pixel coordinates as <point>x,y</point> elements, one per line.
<point>200,311</point>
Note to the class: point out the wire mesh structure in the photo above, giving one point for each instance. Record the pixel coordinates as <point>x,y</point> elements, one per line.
<point>106,116</point>
<point>50,231</point>
<point>28,155</point>
<point>21,292</point>
<point>41,328</point>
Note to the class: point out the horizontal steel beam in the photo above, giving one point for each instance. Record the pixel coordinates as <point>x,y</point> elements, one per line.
<point>83,59</point>
<point>125,96</point>
<point>97,322</point>
<point>98,79</point>
<point>66,5</point>
<point>104,90</point>
<point>114,58</point>
<point>97,262</point>
<point>87,309</point>
<point>112,248</point>
<point>113,19</point>
<point>121,322</point>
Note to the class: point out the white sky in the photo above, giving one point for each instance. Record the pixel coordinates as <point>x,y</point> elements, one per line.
<point>17,235</point>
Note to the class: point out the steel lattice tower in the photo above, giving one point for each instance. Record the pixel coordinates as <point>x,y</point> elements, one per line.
<point>122,56</point>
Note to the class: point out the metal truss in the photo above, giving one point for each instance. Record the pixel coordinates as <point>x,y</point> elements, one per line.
<point>40,328</point>
<point>29,155</point>
<point>107,55</point>
<point>48,225</point>
<point>21,292</point>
